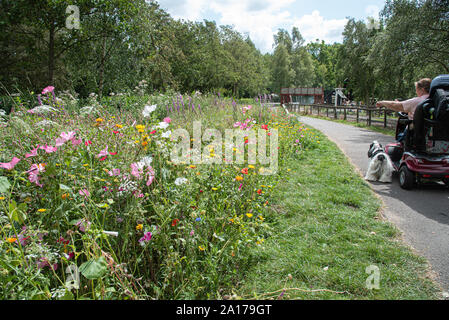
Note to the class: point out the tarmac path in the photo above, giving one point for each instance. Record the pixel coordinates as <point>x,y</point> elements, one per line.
<point>421,214</point>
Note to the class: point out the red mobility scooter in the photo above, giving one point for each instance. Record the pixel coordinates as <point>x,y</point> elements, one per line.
<point>423,155</point>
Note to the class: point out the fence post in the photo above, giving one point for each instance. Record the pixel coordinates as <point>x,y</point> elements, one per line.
<point>385,117</point>
<point>327,112</point>
<point>335,112</point>
<point>318,111</point>
<point>369,118</point>
<point>358,114</point>
<point>345,114</point>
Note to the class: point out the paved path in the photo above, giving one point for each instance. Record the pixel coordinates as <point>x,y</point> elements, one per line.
<point>421,214</point>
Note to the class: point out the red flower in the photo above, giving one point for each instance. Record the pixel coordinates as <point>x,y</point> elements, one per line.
<point>153,132</point>
<point>113,153</point>
<point>265,127</point>
<point>116,132</point>
<point>245,171</point>
<point>104,158</point>
<point>174,222</point>
<point>259,191</point>
<point>88,142</point>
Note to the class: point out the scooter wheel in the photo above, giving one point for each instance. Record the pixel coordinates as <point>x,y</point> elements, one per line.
<point>406,178</point>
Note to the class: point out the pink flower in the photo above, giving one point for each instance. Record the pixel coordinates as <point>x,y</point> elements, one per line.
<point>136,170</point>
<point>33,173</point>
<point>48,89</point>
<point>103,153</point>
<point>114,172</point>
<point>68,136</point>
<point>167,120</point>
<point>83,225</point>
<point>48,149</point>
<point>33,153</point>
<point>85,193</point>
<point>88,142</point>
<point>241,186</point>
<point>147,237</point>
<point>64,137</point>
<point>60,142</point>
<point>150,175</point>
<point>76,142</point>
<point>10,165</point>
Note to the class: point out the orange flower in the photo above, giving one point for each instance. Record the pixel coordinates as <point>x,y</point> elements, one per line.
<point>259,191</point>
<point>239,178</point>
<point>245,171</point>
<point>11,240</point>
<point>174,222</point>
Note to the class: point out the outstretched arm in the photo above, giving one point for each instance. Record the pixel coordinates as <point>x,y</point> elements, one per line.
<point>392,105</point>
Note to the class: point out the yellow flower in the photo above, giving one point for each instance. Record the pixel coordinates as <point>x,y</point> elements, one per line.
<point>192,166</point>
<point>261,218</point>
<point>99,120</point>
<point>42,210</point>
<point>139,227</point>
<point>215,189</point>
<point>251,167</point>
<point>11,240</point>
<point>201,248</point>
<point>249,215</point>
<point>119,126</point>
<point>2,198</point>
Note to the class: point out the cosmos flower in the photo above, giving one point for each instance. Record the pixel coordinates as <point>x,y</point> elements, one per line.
<point>10,165</point>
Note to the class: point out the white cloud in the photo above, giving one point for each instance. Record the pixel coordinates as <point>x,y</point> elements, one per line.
<point>372,11</point>
<point>314,26</point>
<point>261,19</point>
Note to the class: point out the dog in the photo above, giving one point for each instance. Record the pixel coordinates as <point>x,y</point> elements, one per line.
<point>380,167</point>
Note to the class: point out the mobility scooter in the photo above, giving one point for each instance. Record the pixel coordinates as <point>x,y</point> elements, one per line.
<point>423,155</point>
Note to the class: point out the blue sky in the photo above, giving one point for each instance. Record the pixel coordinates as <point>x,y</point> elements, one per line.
<point>323,19</point>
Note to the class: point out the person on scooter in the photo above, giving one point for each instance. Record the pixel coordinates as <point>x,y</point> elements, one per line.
<point>409,106</point>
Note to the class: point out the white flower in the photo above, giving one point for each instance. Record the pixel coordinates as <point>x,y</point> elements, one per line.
<point>148,110</point>
<point>145,162</point>
<point>46,123</point>
<point>166,134</point>
<point>87,110</point>
<point>180,181</point>
<point>163,125</point>
<point>41,110</point>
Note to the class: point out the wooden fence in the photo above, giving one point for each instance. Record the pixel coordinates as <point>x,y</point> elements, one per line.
<point>372,115</point>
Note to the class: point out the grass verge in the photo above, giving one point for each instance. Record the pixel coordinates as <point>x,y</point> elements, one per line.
<point>387,131</point>
<point>327,231</point>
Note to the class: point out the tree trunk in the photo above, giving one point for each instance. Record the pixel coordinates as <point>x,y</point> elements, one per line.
<point>51,54</point>
<point>102,62</point>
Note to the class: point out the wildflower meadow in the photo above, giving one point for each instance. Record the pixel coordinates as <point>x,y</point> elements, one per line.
<point>93,207</point>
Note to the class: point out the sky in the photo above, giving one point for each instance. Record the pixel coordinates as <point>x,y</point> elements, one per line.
<point>260,19</point>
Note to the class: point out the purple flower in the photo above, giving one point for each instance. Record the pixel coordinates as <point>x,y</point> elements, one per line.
<point>198,219</point>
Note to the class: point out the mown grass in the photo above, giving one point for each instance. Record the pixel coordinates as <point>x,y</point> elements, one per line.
<point>387,131</point>
<point>328,229</point>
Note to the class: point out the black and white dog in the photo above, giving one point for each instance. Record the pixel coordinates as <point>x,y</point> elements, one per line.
<point>380,167</point>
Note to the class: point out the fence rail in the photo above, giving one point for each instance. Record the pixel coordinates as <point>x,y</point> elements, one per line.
<point>372,115</point>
